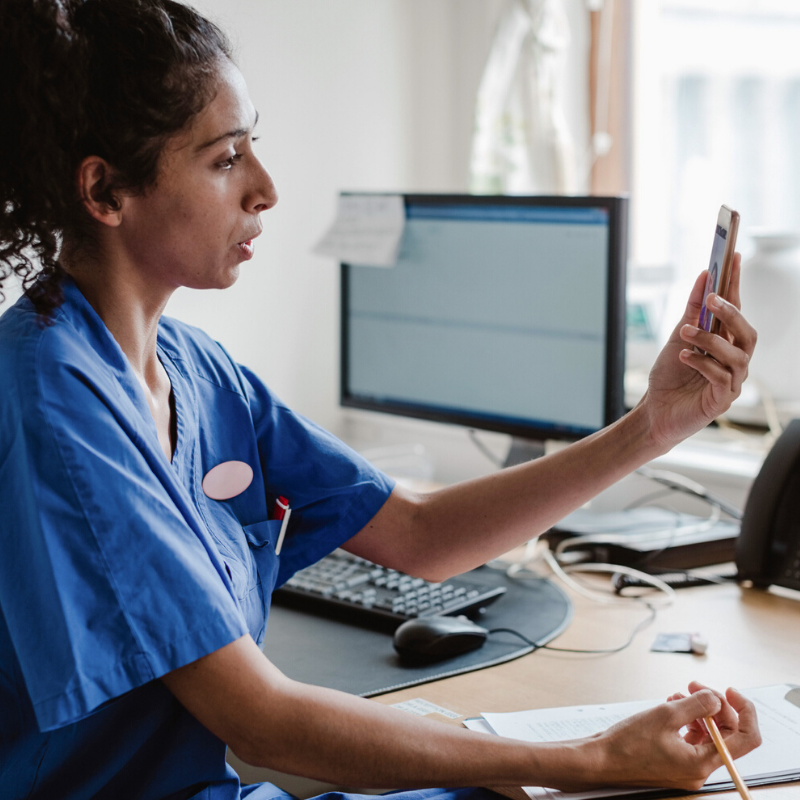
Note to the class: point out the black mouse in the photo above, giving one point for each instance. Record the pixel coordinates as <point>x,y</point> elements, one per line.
<point>437,638</point>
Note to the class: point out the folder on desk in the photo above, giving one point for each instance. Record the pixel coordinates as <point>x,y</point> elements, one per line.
<point>776,761</point>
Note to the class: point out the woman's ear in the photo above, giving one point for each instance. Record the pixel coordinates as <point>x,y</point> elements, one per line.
<point>94,181</point>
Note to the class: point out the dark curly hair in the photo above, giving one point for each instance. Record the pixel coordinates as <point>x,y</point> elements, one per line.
<point>111,78</point>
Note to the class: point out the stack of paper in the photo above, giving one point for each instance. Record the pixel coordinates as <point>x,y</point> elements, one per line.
<point>777,760</point>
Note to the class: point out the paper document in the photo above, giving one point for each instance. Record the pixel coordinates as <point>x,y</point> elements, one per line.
<point>367,230</point>
<point>778,758</point>
<point>422,708</point>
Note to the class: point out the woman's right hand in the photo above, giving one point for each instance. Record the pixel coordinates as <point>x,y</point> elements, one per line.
<point>649,750</point>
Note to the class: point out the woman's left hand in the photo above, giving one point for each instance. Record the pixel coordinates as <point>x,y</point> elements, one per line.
<point>688,389</point>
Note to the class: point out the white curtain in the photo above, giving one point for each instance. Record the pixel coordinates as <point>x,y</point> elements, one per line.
<point>521,143</point>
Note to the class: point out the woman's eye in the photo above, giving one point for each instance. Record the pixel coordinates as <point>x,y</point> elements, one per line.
<point>229,163</point>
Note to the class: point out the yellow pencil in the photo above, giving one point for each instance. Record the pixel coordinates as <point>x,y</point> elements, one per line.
<point>725,755</point>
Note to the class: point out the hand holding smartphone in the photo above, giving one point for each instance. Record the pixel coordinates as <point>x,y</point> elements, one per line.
<point>719,268</point>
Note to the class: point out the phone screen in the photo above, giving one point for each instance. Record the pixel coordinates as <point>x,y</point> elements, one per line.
<point>714,275</point>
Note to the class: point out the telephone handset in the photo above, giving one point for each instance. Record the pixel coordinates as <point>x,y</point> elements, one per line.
<point>768,547</point>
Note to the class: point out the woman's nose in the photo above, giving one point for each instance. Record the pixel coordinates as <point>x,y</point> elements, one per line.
<point>263,195</point>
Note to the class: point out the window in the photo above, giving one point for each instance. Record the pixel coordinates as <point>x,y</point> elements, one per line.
<point>715,117</point>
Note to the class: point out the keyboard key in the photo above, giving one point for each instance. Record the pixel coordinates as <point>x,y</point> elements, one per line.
<point>381,595</point>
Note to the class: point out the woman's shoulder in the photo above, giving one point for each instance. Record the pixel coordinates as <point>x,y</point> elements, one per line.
<point>26,339</point>
<point>72,341</point>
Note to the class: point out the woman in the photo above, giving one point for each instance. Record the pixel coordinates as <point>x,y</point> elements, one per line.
<point>134,594</point>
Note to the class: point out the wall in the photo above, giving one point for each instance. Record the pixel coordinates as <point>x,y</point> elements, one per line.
<point>353,94</point>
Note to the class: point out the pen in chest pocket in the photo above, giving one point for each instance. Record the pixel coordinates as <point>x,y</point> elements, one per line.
<point>282,512</point>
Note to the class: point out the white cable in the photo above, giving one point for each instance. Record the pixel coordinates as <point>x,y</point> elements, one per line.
<point>674,480</point>
<point>561,572</point>
<point>473,436</point>
<point>627,539</point>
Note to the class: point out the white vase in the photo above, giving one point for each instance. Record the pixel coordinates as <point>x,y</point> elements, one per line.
<point>770,289</point>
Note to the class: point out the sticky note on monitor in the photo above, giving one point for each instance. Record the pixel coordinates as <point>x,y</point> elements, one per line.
<point>366,231</point>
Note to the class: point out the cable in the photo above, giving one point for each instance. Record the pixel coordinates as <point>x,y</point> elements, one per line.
<point>673,482</point>
<point>681,483</point>
<point>627,539</point>
<point>498,462</point>
<point>677,579</point>
<point>648,498</point>
<point>608,597</point>
<point>520,635</point>
<point>639,626</point>
<point>611,569</point>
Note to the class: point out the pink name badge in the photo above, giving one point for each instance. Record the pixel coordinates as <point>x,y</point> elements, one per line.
<point>227,479</point>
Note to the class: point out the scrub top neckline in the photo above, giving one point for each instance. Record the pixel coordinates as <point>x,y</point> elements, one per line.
<point>177,404</point>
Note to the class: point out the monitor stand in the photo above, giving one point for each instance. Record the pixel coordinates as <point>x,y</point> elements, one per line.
<point>523,450</point>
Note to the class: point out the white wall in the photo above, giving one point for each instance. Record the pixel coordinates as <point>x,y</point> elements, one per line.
<point>353,94</point>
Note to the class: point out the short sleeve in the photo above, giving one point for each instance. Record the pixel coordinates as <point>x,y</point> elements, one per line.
<point>108,579</point>
<point>333,491</point>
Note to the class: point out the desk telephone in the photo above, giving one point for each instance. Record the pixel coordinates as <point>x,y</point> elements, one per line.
<point>768,548</point>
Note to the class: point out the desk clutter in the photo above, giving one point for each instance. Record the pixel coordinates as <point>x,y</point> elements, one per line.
<point>651,538</point>
<point>765,544</point>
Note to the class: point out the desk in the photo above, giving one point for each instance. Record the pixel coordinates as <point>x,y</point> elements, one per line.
<point>754,640</point>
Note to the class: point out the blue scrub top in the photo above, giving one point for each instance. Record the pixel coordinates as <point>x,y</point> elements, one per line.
<point>116,568</point>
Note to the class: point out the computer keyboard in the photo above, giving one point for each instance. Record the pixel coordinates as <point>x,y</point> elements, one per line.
<point>349,588</point>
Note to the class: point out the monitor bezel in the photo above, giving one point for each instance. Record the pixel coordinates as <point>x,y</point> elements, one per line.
<point>614,403</point>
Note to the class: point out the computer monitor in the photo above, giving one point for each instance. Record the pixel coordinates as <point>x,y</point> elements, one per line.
<point>504,313</point>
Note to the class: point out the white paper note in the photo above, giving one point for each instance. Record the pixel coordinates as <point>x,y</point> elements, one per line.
<point>558,724</point>
<point>422,708</point>
<point>367,230</point>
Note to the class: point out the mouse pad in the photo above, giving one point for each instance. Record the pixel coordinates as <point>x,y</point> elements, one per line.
<point>362,661</point>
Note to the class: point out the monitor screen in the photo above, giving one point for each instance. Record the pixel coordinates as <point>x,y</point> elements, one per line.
<point>505,313</point>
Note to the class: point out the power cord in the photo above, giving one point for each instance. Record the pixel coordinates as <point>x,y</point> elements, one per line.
<point>611,569</point>
<point>680,483</point>
<point>627,539</point>
<point>521,570</point>
<point>639,627</point>
<point>673,482</point>
<point>473,437</point>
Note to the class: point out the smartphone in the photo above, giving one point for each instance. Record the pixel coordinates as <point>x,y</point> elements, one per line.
<point>719,268</point>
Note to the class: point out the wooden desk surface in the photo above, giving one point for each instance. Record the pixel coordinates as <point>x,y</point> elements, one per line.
<point>754,640</point>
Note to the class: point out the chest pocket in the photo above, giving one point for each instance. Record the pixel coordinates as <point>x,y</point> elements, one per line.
<point>261,539</point>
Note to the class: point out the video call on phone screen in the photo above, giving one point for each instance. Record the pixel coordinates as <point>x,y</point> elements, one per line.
<point>714,269</point>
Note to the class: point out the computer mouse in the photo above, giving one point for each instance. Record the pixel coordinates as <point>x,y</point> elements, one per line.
<point>437,638</point>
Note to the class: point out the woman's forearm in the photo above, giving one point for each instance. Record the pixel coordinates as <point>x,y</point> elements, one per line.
<point>354,742</point>
<point>460,527</point>
<point>269,720</point>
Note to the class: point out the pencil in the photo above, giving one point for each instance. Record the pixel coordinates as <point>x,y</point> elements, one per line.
<point>725,755</point>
